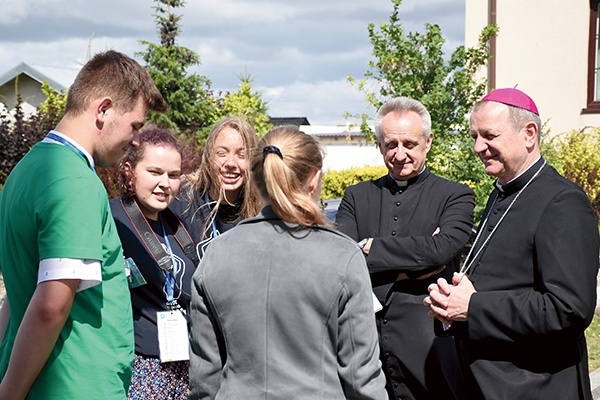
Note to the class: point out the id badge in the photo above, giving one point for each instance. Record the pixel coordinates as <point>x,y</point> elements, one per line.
<point>173,339</point>
<point>134,276</point>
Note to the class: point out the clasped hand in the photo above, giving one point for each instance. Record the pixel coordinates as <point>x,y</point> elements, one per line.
<point>449,302</point>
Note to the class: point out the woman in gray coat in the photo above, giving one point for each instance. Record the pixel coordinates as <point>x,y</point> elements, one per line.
<point>282,305</point>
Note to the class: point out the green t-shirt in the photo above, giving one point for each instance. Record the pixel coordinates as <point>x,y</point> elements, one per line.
<point>54,206</point>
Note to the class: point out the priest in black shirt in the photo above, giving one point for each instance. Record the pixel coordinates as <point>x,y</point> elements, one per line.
<point>412,226</point>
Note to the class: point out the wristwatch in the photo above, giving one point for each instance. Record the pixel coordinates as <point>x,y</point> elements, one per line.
<point>363,243</point>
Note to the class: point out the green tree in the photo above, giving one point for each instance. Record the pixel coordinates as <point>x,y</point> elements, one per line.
<point>192,106</point>
<point>249,105</point>
<point>51,110</point>
<point>414,65</point>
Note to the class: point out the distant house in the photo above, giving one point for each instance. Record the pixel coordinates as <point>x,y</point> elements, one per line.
<point>345,147</point>
<point>278,121</point>
<point>27,80</point>
<point>549,48</point>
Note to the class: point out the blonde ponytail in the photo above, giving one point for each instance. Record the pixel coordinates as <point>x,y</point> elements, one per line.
<point>282,165</point>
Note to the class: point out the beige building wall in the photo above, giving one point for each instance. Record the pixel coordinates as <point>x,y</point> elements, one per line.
<point>542,46</point>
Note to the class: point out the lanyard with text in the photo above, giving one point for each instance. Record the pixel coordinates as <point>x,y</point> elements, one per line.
<point>172,325</point>
<point>171,273</point>
<point>165,260</point>
<point>53,136</point>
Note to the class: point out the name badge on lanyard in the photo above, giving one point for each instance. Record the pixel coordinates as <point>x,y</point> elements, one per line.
<point>173,339</point>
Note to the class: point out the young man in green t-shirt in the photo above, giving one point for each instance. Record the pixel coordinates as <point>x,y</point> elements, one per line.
<point>66,324</point>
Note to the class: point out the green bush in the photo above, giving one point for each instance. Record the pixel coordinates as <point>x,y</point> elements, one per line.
<point>335,182</point>
<point>576,156</point>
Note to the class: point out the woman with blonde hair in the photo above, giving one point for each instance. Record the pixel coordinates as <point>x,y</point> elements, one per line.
<point>220,193</point>
<point>282,305</point>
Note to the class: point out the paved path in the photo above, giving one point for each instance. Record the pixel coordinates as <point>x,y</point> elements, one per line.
<point>595,381</point>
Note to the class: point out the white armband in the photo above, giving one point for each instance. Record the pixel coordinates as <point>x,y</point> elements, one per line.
<point>89,272</point>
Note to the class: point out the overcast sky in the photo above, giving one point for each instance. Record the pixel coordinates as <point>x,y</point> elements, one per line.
<point>298,52</point>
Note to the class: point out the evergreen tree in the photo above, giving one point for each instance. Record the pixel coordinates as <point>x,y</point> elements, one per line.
<point>248,105</point>
<point>192,106</point>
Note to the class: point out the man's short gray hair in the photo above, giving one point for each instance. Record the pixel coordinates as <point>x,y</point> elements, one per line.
<point>402,105</point>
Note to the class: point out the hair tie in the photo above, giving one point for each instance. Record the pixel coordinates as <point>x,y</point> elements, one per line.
<point>273,150</point>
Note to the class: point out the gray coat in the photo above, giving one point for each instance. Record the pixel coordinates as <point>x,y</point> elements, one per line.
<point>281,312</point>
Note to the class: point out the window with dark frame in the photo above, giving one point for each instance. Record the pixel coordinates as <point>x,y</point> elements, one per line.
<point>593,81</point>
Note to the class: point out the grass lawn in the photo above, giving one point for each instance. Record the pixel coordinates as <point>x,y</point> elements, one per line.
<point>592,336</point>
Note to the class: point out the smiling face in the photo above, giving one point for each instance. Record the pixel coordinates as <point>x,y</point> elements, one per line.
<point>230,161</point>
<point>120,131</point>
<point>504,151</point>
<point>403,145</point>
<point>156,179</point>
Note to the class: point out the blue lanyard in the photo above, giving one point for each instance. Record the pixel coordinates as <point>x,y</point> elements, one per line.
<point>171,273</point>
<point>64,142</point>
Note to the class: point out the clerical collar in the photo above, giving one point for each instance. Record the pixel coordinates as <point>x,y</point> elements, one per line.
<point>405,183</point>
<point>517,182</point>
<point>401,184</point>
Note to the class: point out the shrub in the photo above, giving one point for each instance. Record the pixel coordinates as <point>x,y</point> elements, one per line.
<point>17,134</point>
<point>335,182</point>
<point>576,156</point>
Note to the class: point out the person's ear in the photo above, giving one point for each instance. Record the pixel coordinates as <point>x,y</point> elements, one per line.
<point>532,133</point>
<point>314,182</point>
<point>428,141</point>
<point>102,108</point>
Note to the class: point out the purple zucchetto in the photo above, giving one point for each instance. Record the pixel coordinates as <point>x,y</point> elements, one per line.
<point>512,97</point>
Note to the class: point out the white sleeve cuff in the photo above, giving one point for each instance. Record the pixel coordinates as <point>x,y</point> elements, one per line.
<point>89,272</point>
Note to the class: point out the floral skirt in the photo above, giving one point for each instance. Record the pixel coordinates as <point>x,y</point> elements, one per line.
<point>152,380</point>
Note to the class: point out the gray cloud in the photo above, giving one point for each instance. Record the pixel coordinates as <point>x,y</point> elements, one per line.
<point>298,53</point>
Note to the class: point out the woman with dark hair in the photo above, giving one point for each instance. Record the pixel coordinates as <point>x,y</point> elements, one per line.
<point>159,255</point>
<point>220,193</point>
<point>282,305</point>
